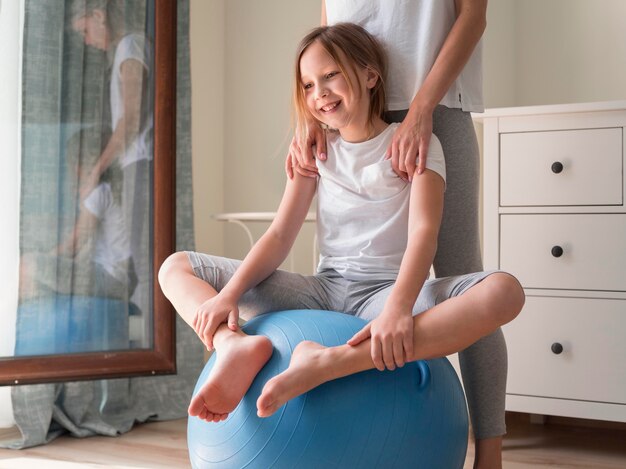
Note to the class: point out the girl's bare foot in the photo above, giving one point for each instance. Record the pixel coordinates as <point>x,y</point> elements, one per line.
<point>239,358</point>
<point>310,366</point>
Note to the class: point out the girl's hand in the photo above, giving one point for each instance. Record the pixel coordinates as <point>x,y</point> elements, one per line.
<point>301,156</point>
<point>409,142</point>
<point>213,312</point>
<point>391,338</point>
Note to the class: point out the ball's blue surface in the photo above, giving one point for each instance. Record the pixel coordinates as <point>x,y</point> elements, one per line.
<point>413,417</point>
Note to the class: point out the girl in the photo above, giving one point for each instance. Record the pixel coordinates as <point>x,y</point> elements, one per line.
<point>372,266</point>
<point>435,81</point>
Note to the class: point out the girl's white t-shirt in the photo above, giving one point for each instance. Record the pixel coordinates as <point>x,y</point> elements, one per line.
<point>111,241</point>
<point>412,33</point>
<point>363,207</point>
<point>131,47</point>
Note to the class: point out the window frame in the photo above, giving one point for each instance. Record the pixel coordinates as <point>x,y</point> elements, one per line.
<point>161,358</point>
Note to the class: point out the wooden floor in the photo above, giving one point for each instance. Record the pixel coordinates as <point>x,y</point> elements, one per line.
<point>163,445</point>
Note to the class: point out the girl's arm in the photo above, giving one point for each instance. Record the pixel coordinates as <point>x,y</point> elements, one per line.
<point>392,331</point>
<point>134,79</point>
<point>263,259</point>
<point>413,135</point>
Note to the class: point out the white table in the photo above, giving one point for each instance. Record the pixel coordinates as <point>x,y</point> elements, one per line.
<point>241,218</point>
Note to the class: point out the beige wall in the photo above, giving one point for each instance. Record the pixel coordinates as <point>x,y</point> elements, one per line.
<point>554,51</point>
<point>535,52</point>
<point>242,52</point>
<point>207,28</point>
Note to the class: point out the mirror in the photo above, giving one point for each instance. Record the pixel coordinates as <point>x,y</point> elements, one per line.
<point>93,153</point>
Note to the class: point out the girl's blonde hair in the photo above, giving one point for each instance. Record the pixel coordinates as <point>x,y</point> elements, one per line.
<point>360,49</point>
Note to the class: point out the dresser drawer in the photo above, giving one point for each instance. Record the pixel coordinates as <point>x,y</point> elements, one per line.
<point>563,251</point>
<point>591,364</point>
<point>569,167</point>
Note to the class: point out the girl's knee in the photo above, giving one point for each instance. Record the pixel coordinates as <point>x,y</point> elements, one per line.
<point>174,264</point>
<point>507,295</point>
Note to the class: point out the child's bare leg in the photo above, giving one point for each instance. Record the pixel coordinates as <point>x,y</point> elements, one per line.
<point>446,328</point>
<point>239,357</point>
<point>181,286</point>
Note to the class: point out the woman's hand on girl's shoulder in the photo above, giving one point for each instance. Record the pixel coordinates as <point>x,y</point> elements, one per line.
<point>409,146</point>
<point>222,308</point>
<point>301,156</point>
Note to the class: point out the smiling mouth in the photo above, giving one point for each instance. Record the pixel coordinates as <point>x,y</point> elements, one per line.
<point>330,107</point>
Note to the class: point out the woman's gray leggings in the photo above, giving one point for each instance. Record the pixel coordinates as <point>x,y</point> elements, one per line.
<point>483,364</point>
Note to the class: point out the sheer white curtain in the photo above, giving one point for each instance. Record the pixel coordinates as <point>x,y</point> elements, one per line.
<point>11,24</point>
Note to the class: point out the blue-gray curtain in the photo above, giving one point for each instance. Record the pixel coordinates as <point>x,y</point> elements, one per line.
<point>105,407</point>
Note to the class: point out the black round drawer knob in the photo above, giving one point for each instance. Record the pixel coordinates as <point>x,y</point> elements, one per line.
<point>556,348</point>
<point>557,167</point>
<point>557,251</point>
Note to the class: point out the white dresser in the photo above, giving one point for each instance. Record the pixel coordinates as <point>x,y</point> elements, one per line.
<point>555,217</point>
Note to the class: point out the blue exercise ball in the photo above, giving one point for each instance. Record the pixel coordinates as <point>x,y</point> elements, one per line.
<point>413,417</point>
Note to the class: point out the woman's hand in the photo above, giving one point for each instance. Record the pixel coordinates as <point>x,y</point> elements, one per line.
<point>391,336</point>
<point>411,141</point>
<point>213,312</point>
<point>301,156</point>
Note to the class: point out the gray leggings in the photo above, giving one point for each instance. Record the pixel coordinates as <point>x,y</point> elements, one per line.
<point>484,364</point>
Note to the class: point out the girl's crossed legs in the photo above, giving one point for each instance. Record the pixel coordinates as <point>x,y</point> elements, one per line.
<point>455,312</point>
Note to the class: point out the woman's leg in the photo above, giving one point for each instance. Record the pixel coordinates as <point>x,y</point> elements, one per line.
<point>443,329</point>
<point>190,279</point>
<point>484,364</point>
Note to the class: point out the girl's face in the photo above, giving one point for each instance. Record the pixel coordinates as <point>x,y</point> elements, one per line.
<point>93,29</point>
<point>328,96</point>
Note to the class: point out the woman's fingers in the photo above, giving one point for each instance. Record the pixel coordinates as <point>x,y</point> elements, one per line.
<point>320,145</point>
<point>410,157</point>
<point>423,153</point>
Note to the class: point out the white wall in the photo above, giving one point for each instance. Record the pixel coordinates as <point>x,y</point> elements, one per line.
<point>499,57</point>
<point>207,32</point>
<point>11,19</point>
<point>554,51</point>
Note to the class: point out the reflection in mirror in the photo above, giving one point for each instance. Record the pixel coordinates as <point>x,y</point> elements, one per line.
<point>85,238</point>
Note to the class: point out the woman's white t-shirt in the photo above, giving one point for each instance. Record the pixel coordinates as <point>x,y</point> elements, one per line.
<point>363,207</point>
<point>131,47</point>
<point>412,33</point>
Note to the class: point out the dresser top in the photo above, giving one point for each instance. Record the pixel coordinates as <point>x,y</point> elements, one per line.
<point>550,109</point>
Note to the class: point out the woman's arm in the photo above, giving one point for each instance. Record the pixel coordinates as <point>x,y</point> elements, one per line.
<point>413,135</point>
<point>134,79</point>
<point>323,21</point>
<point>392,331</point>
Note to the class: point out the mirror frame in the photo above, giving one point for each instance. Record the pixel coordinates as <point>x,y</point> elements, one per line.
<point>161,358</point>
